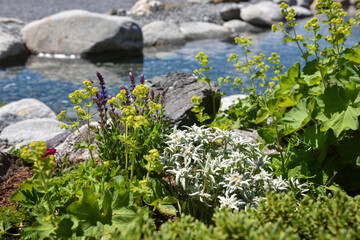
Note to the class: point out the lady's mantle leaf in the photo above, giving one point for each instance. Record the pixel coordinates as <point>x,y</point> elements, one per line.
<point>339,108</point>
<point>297,117</point>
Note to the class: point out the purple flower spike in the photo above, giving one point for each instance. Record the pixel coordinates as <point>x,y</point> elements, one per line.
<point>142,79</point>
<point>132,78</point>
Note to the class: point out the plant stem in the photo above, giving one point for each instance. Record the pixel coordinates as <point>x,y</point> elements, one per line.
<point>44,183</point>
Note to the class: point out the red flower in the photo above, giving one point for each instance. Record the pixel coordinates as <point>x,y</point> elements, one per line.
<point>49,151</point>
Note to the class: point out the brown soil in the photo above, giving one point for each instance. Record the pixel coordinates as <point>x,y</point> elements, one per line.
<point>13,183</point>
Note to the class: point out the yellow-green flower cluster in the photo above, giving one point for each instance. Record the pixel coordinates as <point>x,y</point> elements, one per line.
<point>153,155</point>
<point>33,153</point>
<point>139,121</point>
<point>237,81</point>
<point>154,107</point>
<point>202,58</point>
<point>141,91</point>
<point>225,80</point>
<point>243,41</point>
<point>279,27</point>
<point>312,24</point>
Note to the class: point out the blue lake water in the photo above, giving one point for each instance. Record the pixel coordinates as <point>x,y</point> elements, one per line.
<point>51,80</point>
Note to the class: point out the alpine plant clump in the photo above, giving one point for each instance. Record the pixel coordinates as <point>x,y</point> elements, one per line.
<point>220,168</point>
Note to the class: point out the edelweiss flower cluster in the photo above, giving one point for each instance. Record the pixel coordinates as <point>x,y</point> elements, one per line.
<point>219,168</point>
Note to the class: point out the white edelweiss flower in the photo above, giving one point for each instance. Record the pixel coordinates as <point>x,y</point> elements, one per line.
<point>230,202</point>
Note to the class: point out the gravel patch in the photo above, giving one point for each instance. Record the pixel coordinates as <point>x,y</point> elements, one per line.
<point>29,10</point>
<point>184,13</point>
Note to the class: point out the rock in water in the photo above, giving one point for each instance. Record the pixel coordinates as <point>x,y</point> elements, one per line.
<point>160,33</point>
<point>182,87</point>
<point>79,32</point>
<point>204,30</point>
<point>262,14</point>
<point>12,50</point>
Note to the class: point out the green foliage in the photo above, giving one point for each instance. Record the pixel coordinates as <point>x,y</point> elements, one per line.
<point>10,219</point>
<point>91,200</point>
<point>311,115</point>
<point>280,216</point>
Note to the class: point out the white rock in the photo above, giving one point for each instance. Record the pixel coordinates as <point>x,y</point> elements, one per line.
<point>38,129</point>
<point>302,12</point>
<point>161,33</point>
<point>204,30</point>
<point>83,33</point>
<point>27,108</point>
<point>238,26</point>
<point>227,101</point>
<point>262,14</point>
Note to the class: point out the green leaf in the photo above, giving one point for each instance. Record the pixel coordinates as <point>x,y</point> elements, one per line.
<point>267,135</point>
<point>87,208</point>
<point>81,145</point>
<point>169,200</point>
<point>167,209</point>
<point>311,75</point>
<point>297,117</point>
<point>358,161</point>
<point>288,82</point>
<point>353,54</point>
<point>64,228</point>
<point>122,219</point>
<point>44,229</point>
<point>339,108</point>
<point>288,39</point>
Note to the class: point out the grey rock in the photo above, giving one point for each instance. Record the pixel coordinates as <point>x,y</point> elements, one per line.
<point>9,165</point>
<point>67,146</point>
<point>288,2</point>
<point>24,132</point>
<point>302,12</point>
<point>12,26</point>
<point>143,7</point>
<point>262,14</point>
<point>79,32</point>
<point>182,87</point>
<point>304,3</point>
<point>250,135</point>
<point>12,50</point>
<point>27,108</point>
<point>238,27</point>
<point>204,30</point>
<point>230,12</point>
<point>160,33</point>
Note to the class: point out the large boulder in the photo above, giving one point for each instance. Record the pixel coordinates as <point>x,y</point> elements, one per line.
<point>24,132</point>
<point>204,30</point>
<point>182,87</point>
<point>64,144</point>
<point>160,33</point>
<point>79,32</point>
<point>144,7</point>
<point>262,14</point>
<point>302,12</point>
<point>230,12</point>
<point>12,50</point>
<point>23,109</point>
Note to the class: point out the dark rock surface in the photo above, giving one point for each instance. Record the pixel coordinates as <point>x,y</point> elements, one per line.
<point>9,165</point>
<point>182,87</point>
